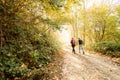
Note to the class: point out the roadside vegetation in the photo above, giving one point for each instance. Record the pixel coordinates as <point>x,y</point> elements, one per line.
<point>103,31</point>
<point>107,48</point>
<point>27,41</point>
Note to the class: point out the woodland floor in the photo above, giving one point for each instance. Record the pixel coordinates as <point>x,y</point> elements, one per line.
<point>69,66</point>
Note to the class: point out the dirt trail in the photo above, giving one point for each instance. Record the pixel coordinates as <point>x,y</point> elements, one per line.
<point>88,67</point>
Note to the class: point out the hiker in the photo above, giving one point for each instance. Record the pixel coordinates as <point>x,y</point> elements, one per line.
<point>73,45</point>
<point>80,45</point>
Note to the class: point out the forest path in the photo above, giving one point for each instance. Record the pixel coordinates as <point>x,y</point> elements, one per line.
<point>88,67</point>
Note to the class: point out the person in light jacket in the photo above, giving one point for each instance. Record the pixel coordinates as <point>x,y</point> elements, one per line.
<point>81,46</point>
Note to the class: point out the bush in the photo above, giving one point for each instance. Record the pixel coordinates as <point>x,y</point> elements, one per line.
<point>107,48</point>
<point>25,51</point>
<point>25,45</point>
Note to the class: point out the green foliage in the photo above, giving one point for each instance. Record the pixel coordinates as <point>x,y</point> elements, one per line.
<point>103,30</point>
<point>24,45</point>
<point>57,3</point>
<point>53,24</point>
<point>107,48</point>
<point>12,67</point>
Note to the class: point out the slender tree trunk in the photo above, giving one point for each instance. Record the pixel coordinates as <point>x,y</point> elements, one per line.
<point>74,29</point>
<point>77,26</point>
<point>103,30</point>
<point>84,7</point>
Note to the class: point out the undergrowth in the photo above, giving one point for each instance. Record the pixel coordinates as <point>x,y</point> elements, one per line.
<point>107,48</point>
<point>24,52</point>
<point>26,45</point>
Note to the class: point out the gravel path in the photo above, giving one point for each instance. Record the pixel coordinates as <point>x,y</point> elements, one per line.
<point>88,67</point>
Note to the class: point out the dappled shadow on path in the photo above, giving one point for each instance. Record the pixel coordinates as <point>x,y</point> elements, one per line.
<point>88,67</point>
<point>69,66</point>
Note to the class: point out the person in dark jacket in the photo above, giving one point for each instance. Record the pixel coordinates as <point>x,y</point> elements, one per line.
<point>73,45</point>
<point>81,45</point>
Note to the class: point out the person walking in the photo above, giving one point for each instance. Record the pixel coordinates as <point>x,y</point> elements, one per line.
<point>73,45</point>
<point>81,45</point>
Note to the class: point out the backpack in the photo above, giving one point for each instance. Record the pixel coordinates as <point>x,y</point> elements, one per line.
<point>73,42</point>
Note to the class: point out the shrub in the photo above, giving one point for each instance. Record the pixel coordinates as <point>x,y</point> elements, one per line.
<point>107,48</point>
<point>24,42</point>
<point>27,51</point>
